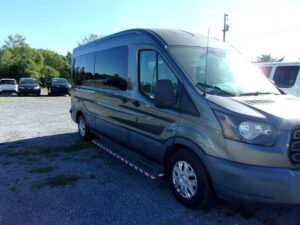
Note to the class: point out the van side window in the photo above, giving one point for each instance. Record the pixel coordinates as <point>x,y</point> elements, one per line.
<point>83,69</point>
<point>285,76</point>
<point>111,68</point>
<point>152,68</point>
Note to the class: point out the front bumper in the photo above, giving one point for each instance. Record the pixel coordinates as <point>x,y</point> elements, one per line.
<point>254,183</point>
<point>29,91</point>
<point>60,91</point>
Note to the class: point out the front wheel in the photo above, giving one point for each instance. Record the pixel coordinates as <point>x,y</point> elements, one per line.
<point>189,180</point>
<point>83,129</point>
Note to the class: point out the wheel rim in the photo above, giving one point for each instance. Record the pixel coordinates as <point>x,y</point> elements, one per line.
<point>184,179</point>
<point>82,127</point>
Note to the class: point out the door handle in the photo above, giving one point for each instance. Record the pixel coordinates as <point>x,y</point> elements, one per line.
<point>136,103</point>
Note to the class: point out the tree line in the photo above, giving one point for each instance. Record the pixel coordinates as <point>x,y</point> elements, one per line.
<point>18,59</point>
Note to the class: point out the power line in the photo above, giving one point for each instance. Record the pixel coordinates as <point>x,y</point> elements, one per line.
<point>267,34</point>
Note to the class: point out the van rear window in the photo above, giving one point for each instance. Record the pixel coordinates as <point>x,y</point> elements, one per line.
<point>7,81</point>
<point>285,76</point>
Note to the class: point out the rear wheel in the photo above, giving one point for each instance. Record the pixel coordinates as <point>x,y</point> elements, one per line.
<point>189,180</point>
<point>83,129</point>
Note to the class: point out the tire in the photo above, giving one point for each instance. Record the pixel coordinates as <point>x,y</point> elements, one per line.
<point>83,129</point>
<point>189,180</point>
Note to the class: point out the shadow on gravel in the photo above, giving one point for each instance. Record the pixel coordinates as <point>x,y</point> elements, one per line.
<point>51,162</point>
<point>53,140</point>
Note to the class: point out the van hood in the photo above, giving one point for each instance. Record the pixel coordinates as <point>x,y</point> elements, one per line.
<point>282,111</point>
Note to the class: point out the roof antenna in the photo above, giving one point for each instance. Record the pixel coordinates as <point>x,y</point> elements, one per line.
<point>206,56</point>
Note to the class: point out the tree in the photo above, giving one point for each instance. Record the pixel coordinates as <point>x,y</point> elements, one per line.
<point>18,60</point>
<point>69,57</point>
<point>15,41</point>
<point>89,38</point>
<point>47,73</point>
<point>268,58</point>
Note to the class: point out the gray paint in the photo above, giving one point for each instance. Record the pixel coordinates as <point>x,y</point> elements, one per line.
<point>152,131</point>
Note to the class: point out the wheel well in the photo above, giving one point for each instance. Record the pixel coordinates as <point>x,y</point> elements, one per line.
<point>171,150</point>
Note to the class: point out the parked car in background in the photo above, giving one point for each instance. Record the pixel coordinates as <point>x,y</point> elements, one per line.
<point>284,74</point>
<point>8,86</point>
<point>29,86</point>
<point>59,86</point>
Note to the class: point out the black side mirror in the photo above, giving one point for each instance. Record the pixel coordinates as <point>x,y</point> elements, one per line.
<point>164,94</point>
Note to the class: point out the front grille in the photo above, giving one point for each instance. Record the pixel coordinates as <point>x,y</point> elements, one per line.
<point>295,146</point>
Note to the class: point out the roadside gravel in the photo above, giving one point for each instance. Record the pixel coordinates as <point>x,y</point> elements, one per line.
<point>49,176</point>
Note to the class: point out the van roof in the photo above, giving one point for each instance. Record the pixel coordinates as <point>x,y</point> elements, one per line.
<point>165,37</point>
<point>278,63</point>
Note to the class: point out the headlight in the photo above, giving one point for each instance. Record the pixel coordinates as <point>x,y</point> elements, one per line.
<point>36,87</point>
<point>244,130</point>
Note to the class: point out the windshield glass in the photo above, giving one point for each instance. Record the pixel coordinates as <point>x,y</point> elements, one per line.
<point>29,81</point>
<point>227,73</point>
<point>59,81</point>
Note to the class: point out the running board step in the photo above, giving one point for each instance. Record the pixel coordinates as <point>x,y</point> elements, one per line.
<point>150,169</point>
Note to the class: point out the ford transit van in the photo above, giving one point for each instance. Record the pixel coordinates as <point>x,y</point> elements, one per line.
<point>178,104</point>
<point>284,74</point>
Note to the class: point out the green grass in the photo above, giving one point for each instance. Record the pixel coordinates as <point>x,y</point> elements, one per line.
<point>48,150</point>
<point>60,180</point>
<point>42,170</point>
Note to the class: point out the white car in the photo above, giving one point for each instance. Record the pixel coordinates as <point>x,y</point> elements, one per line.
<point>286,75</point>
<point>8,85</point>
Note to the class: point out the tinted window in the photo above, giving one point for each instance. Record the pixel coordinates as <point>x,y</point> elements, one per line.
<point>59,81</point>
<point>29,81</point>
<point>84,70</point>
<point>285,76</point>
<point>152,68</point>
<point>7,82</point>
<point>111,68</point>
<point>266,70</point>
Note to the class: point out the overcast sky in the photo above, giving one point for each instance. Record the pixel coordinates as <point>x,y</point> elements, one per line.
<point>256,26</point>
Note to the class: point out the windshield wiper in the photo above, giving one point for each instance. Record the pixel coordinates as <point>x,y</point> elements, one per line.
<point>257,93</point>
<point>203,86</point>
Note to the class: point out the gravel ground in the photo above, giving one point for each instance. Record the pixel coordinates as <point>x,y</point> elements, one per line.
<point>49,176</point>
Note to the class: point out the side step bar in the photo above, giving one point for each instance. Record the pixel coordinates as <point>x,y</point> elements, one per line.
<point>148,168</point>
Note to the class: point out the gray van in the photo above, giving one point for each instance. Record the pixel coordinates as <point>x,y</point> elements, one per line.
<point>180,104</point>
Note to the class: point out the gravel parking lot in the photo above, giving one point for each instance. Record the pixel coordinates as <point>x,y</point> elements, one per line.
<point>49,176</point>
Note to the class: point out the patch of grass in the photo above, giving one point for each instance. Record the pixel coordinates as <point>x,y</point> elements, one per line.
<point>99,165</point>
<point>13,189</point>
<point>42,170</point>
<point>96,157</point>
<point>6,163</point>
<point>60,180</point>
<point>67,158</point>
<point>31,159</point>
<point>49,150</point>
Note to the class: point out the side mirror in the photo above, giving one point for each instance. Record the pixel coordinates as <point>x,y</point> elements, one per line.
<point>164,94</point>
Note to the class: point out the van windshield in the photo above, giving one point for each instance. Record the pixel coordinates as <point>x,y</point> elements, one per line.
<point>29,81</point>
<point>227,73</point>
<point>59,81</point>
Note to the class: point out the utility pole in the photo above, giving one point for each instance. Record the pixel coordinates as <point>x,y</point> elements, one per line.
<point>226,27</point>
